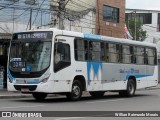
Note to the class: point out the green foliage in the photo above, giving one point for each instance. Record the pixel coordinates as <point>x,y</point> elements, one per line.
<point>140,33</point>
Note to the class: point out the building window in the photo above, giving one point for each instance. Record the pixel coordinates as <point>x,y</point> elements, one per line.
<point>110,14</point>
<point>145,18</point>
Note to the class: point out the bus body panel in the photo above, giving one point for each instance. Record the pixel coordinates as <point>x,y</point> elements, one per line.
<point>99,76</point>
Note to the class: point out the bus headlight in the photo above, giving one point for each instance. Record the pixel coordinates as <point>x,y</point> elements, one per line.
<point>45,79</point>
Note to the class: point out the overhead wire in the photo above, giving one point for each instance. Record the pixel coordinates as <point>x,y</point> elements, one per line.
<point>38,11</point>
<point>84,20</point>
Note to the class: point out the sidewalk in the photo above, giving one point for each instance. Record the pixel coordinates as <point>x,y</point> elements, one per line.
<point>4,94</point>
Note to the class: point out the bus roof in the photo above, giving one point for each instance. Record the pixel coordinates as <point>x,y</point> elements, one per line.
<point>106,38</point>
<point>98,37</point>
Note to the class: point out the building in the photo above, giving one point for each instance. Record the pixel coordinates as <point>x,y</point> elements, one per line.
<point>79,15</point>
<point>151,23</point>
<point>110,18</point>
<point>103,17</point>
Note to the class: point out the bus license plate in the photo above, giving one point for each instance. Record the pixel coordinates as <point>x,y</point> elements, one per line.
<point>24,90</point>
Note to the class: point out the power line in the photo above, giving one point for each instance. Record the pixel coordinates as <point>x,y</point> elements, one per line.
<point>38,11</point>
<point>8,5</point>
<point>91,21</point>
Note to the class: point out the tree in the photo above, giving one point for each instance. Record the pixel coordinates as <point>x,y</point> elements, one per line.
<point>140,33</point>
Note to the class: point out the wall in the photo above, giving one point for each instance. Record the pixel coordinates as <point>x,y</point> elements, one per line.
<point>110,28</point>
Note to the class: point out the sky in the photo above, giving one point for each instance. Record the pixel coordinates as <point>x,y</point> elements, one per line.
<point>143,4</point>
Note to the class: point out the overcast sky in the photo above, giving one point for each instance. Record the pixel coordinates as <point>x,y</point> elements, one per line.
<point>143,4</point>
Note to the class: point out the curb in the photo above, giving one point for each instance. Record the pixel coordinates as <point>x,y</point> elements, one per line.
<point>14,96</point>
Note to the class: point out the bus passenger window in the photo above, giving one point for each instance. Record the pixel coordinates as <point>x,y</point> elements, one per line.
<point>126,54</point>
<point>102,51</point>
<point>113,52</point>
<point>150,56</point>
<point>94,51</point>
<point>139,53</point>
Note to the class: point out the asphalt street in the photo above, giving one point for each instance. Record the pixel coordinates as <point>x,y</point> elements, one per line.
<point>145,100</point>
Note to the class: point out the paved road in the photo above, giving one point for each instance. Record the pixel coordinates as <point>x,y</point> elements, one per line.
<point>143,101</point>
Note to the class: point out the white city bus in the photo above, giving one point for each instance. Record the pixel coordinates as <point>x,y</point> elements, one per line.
<point>53,61</point>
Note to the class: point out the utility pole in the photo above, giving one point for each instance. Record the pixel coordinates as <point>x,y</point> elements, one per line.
<point>61,8</point>
<point>13,18</point>
<point>30,23</point>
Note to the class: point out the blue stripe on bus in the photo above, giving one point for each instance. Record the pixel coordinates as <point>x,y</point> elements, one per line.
<point>32,82</point>
<point>91,36</point>
<point>137,76</point>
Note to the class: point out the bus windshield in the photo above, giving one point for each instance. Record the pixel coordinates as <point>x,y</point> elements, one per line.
<point>30,56</point>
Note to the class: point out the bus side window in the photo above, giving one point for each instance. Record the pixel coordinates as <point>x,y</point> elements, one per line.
<point>155,57</point>
<point>139,53</point>
<point>102,51</point>
<point>150,56</point>
<point>94,51</point>
<point>79,50</point>
<point>86,47</point>
<point>64,57</point>
<point>113,52</point>
<point>107,53</point>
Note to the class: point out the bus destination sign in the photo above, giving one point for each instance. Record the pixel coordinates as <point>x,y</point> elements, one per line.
<point>33,35</point>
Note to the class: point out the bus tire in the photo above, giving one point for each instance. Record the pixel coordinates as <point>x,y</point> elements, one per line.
<point>97,94</point>
<point>39,96</point>
<point>131,88</point>
<point>76,91</point>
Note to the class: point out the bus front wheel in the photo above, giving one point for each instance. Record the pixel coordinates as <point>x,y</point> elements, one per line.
<point>39,96</point>
<point>76,91</point>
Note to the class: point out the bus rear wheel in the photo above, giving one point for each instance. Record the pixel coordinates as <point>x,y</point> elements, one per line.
<point>131,88</point>
<point>39,96</point>
<point>97,94</point>
<point>76,91</point>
